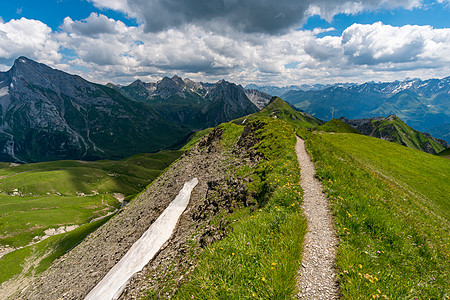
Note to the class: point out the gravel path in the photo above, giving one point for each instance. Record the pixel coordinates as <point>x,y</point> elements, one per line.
<point>317,274</point>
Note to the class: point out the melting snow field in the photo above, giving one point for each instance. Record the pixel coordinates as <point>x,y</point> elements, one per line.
<point>144,249</point>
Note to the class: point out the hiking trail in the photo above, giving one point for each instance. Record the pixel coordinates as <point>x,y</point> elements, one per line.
<point>318,278</point>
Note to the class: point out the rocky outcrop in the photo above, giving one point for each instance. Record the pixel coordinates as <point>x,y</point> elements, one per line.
<point>258,98</point>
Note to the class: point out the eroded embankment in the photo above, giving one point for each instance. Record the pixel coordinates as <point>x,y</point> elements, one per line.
<point>76,273</point>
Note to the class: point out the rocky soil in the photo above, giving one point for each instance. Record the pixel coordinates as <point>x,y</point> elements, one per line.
<point>76,273</point>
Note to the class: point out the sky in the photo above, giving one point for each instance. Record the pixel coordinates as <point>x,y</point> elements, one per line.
<point>284,42</point>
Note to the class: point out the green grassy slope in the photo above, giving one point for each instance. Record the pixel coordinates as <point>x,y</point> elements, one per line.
<point>335,125</point>
<point>279,109</point>
<point>395,130</point>
<point>260,256</point>
<point>444,153</point>
<point>391,211</point>
<point>392,215</point>
<point>36,197</point>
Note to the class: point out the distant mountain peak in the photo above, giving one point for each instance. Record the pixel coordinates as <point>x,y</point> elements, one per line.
<point>24,62</point>
<point>137,82</point>
<point>178,80</point>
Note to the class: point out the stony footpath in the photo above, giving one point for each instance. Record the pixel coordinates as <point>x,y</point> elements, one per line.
<point>318,279</point>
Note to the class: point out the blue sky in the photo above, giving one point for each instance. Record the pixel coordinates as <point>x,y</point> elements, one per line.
<point>53,12</point>
<point>434,14</point>
<point>280,43</point>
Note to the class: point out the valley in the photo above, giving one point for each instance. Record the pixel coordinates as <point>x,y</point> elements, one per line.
<point>48,208</point>
<point>423,105</point>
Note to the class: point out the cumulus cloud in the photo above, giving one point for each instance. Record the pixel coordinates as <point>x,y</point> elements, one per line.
<point>103,49</point>
<point>94,25</point>
<point>30,38</point>
<point>363,52</point>
<point>118,5</point>
<point>378,43</point>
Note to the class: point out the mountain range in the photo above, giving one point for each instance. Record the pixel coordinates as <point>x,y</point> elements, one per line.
<point>196,105</point>
<point>47,114</point>
<point>279,91</point>
<point>422,104</point>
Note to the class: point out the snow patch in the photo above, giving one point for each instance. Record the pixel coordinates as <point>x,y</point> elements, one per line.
<point>4,91</point>
<point>144,249</point>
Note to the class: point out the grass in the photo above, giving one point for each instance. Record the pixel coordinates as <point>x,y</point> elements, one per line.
<point>404,135</point>
<point>335,125</point>
<point>259,259</point>
<point>39,196</point>
<point>35,197</point>
<point>444,153</point>
<point>278,109</point>
<point>391,210</point>
<point>38,257</point>
<point>25,218</point>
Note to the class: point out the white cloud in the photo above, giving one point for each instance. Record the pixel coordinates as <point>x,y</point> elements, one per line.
<point>363,52</point>
<point>108,50</point>
<point>378,43</point>
<point>118,5</point>
<point>93,25</point>
<point>30,38</point>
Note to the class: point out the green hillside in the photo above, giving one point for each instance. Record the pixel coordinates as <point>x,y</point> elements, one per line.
<point>391,211</point>
<point>335,125</point>
<point>40,196</point>
<point>279,109</point>
<point>389,203</point>
<point>393,129</point>
<point>444,153</point>
<point>392,216</point>
<point>259,258</point>
<point>405,135</point>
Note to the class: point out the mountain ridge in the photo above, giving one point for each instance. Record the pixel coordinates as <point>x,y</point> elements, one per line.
<point>393,129</point>
<point>48,114</point>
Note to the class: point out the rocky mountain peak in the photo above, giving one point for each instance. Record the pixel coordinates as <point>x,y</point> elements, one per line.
<point>178,80</point>
<point>23,60</point>
<point>392,118</point>
<point>25,66</point>
<point>137,82</point>
<point>167,87</point>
